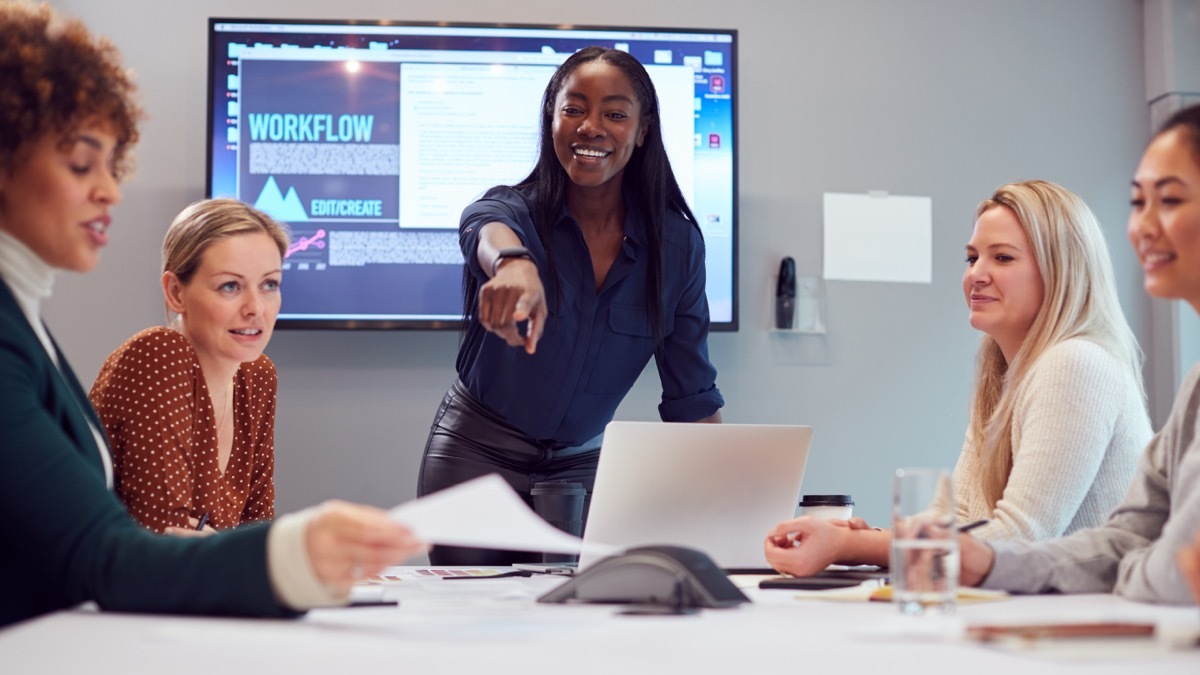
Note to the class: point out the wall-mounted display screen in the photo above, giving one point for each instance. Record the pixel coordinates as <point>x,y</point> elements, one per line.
<point>369,138</point>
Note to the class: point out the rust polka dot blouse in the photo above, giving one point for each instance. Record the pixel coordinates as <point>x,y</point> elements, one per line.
<point>162,429</point>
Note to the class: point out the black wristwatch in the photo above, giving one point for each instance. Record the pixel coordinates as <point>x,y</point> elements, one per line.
<point>511,252</point>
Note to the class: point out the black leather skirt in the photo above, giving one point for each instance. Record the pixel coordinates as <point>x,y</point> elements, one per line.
<point>467,440</point>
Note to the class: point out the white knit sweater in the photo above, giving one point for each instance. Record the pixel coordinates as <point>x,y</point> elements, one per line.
<point>1079,426</point>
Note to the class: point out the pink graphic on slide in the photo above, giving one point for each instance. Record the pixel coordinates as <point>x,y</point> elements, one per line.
<point>316,241</point>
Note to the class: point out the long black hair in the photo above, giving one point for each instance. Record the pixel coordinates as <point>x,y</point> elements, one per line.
<point>648,176</point>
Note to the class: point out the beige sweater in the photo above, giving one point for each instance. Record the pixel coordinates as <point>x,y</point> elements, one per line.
<point>1079,426</point>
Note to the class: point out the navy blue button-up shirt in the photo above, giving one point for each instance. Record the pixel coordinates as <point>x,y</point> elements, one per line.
<point>595,344</point>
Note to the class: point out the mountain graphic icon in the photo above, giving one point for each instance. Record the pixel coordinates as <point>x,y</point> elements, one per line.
<point>272,202</point>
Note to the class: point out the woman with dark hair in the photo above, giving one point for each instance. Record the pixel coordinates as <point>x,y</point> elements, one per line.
<point>574,278</point>
<point>67,124</point>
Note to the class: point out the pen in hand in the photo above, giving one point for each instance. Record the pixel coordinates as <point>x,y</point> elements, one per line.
<point>203,521</point>
<point>970,526</point>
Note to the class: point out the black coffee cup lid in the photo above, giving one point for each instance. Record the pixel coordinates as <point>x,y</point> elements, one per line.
<point>826,500</point>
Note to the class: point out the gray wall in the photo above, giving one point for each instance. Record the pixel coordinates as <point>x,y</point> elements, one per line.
<point>933,97</point>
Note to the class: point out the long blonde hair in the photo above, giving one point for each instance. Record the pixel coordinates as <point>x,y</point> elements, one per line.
<point>1079,301</point>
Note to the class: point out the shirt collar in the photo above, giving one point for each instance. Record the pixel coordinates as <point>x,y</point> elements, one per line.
<point>635,229</point>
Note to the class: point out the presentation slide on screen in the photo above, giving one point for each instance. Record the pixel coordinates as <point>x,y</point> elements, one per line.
<point>466,127</point>
<point>370,155</point>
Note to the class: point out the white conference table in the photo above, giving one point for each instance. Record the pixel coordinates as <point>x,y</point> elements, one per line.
<point>496,626</point>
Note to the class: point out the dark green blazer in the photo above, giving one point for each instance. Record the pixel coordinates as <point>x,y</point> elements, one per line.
<point>64,536</point>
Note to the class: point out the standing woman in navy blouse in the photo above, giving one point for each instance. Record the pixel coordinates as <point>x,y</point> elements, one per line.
<point>574,278</point>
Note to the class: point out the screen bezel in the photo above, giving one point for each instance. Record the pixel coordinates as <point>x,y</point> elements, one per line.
<point>457,324</point>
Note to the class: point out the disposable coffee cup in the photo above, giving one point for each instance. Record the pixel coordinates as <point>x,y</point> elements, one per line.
<point>826,507</point>
<point>560,503</point>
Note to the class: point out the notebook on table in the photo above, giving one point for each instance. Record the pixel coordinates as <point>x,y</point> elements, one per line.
<point>717,488</point>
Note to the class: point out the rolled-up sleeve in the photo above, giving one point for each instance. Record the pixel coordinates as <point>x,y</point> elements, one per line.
<point>494,207</point>
<point>688,376</point>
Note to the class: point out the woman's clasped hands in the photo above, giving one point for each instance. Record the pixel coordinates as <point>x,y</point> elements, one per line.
<point>806,545</point>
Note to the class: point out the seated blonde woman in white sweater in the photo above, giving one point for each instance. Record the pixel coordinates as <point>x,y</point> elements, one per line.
<point>1058,417</point>
<point>1078,427</point>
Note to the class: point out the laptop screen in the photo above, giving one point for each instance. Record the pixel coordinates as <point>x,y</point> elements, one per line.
<point>717,488</point>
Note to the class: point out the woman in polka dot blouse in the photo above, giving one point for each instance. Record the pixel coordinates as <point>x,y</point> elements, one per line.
<point>190,408</point>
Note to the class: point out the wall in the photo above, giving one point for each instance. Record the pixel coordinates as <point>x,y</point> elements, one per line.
<point>923,97</point>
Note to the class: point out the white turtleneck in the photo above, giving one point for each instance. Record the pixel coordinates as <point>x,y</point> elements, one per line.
<point>31,281</point>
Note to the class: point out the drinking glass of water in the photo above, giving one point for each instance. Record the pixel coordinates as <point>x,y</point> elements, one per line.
<point>924,557</point>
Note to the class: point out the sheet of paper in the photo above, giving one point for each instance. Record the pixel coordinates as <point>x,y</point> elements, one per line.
<point>486,513</point>
<point>878,237</point>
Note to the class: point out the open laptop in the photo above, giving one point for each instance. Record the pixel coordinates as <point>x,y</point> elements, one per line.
<point>717,488</point>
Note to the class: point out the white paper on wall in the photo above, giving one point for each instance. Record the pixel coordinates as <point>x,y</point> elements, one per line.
<point>878,237</point>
